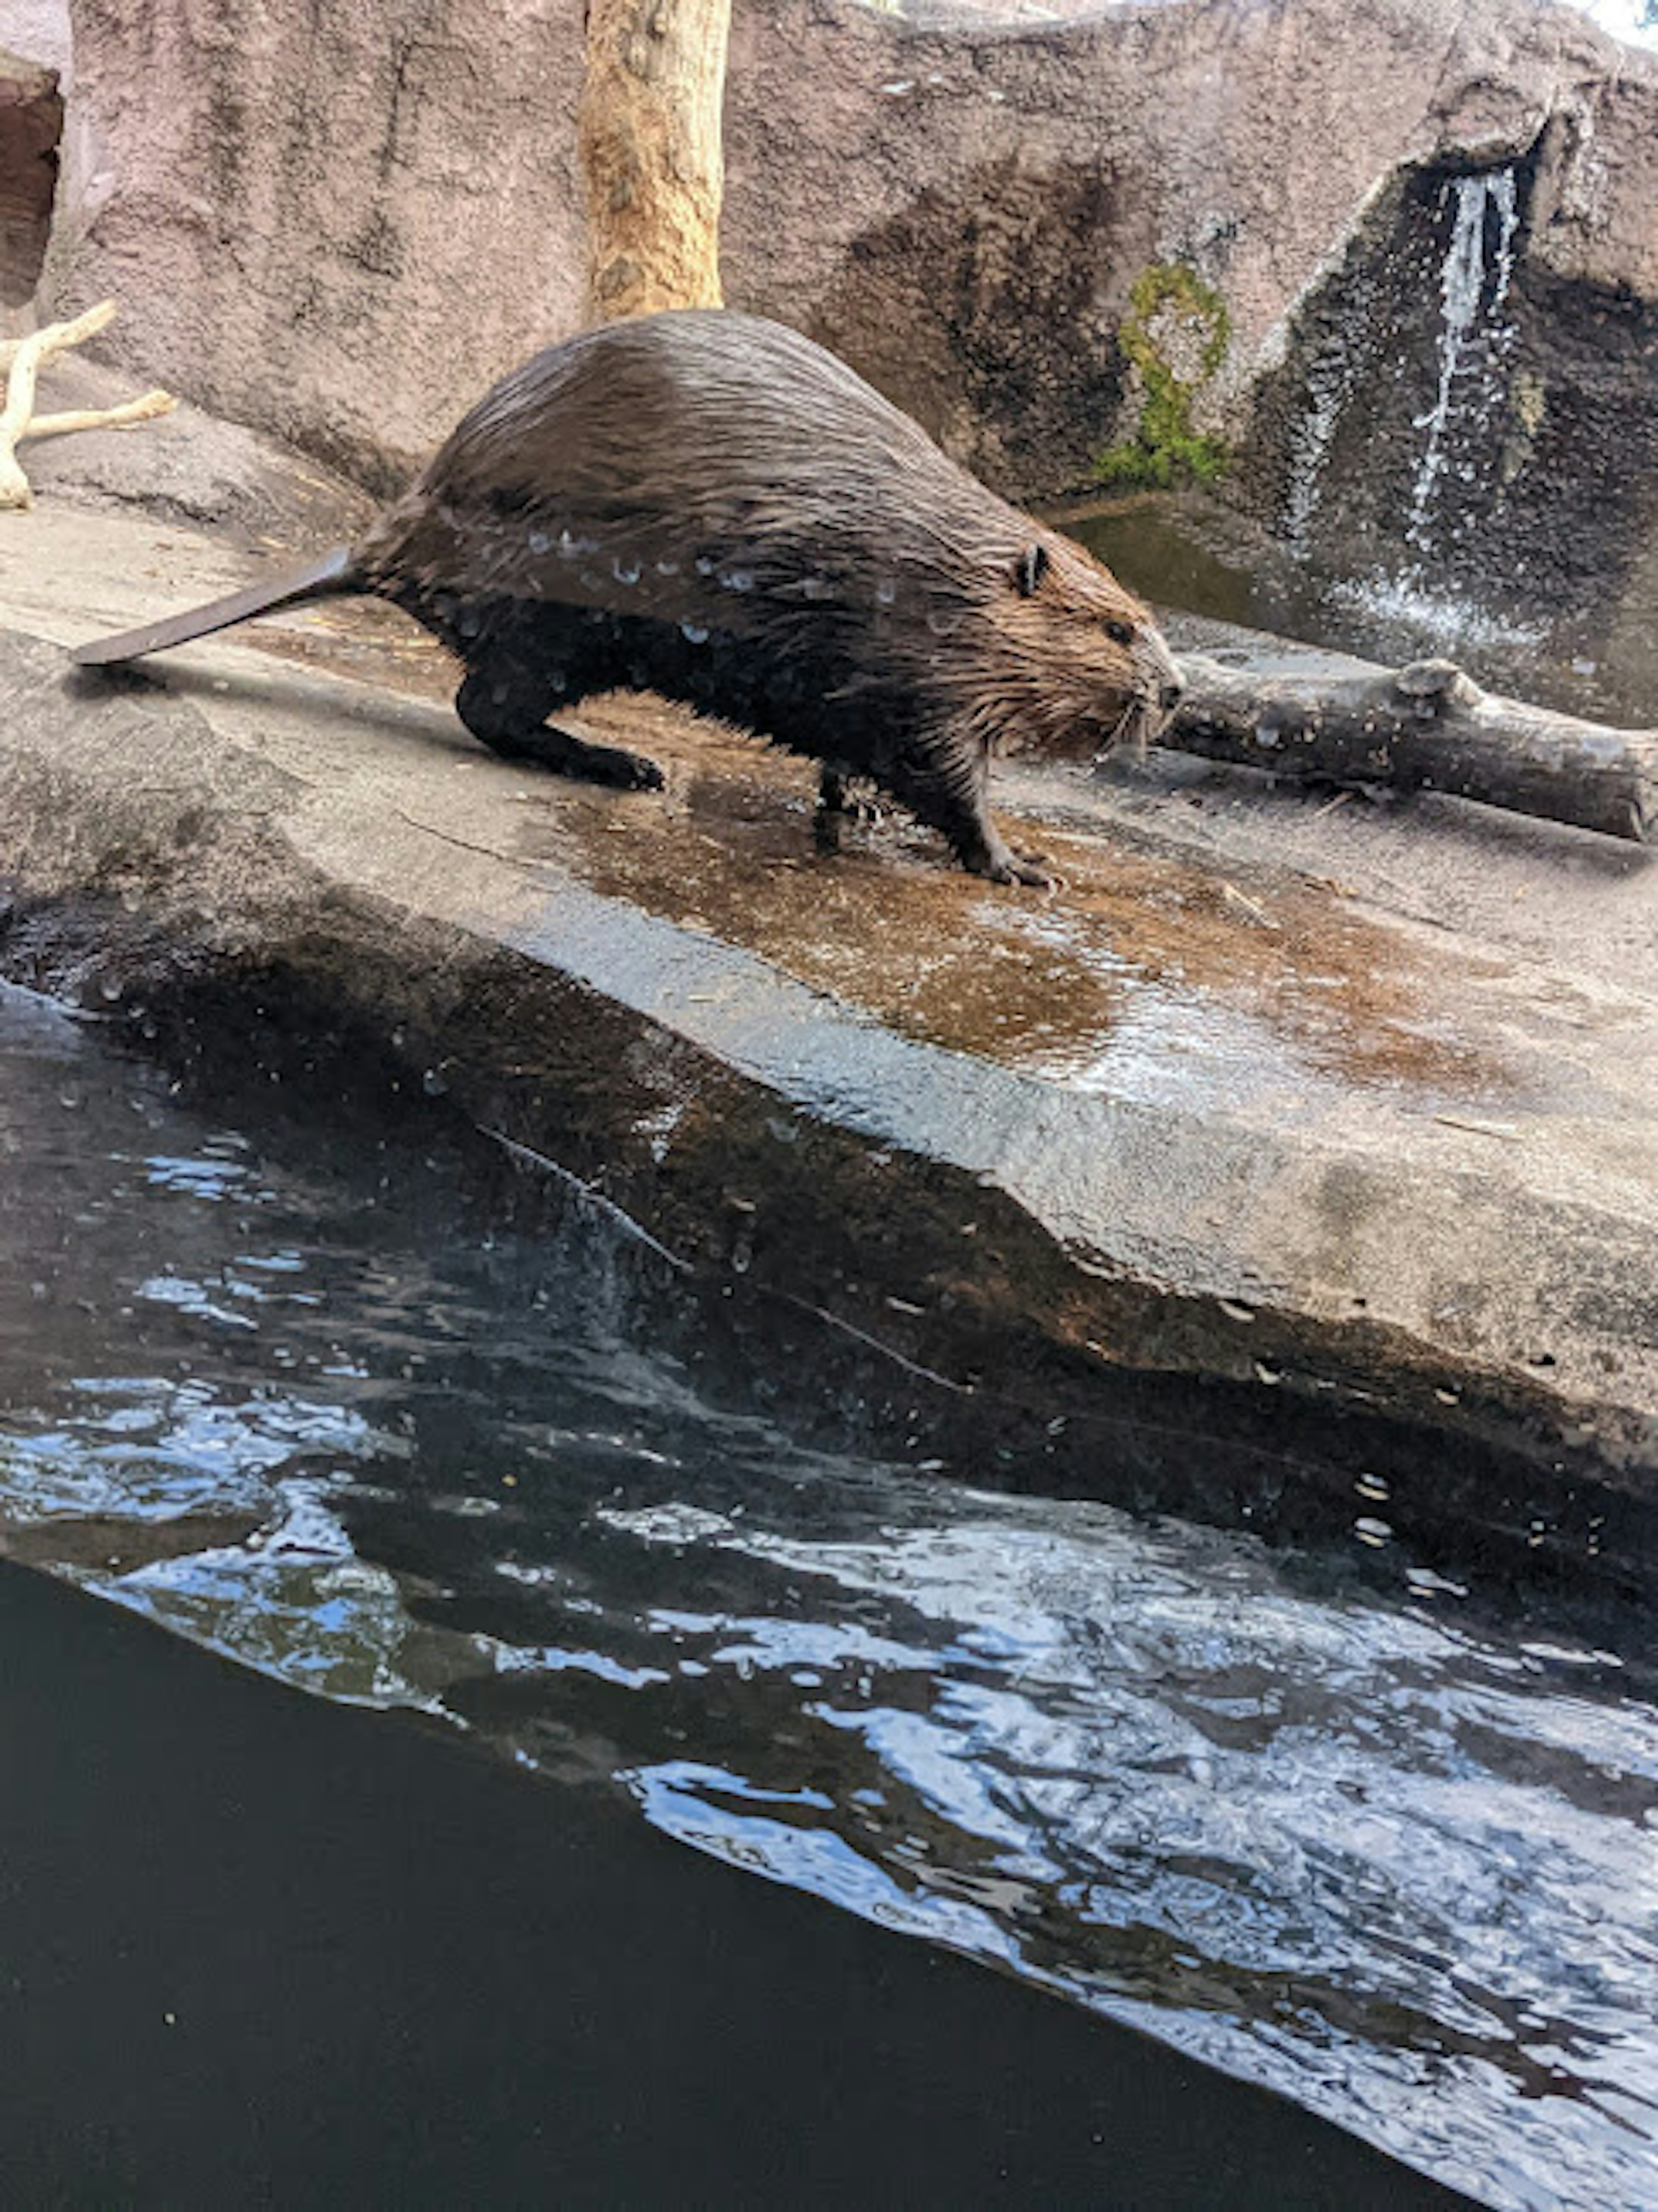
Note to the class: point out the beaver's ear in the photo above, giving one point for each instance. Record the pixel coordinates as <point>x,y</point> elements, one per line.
<point>1030,569</point>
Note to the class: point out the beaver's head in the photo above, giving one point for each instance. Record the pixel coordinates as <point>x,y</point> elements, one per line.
<point>1078,662</point>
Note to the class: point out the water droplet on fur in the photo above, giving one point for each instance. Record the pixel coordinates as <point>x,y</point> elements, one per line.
<point>694,633</point>
<point>539,541</point>
<point>1428,1584</point>
<point>885,592</point>
<point>625,572</point>
<point>739,580</point>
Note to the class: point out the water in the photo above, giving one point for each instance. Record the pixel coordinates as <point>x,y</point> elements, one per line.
<point>1454,584</point>
<point>1188,553</point>
<point>1474,336</point>
<point>1479,216</point>
<point>324,1414</point>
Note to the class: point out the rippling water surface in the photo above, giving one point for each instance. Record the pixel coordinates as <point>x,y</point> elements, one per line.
<point>330,1420</point>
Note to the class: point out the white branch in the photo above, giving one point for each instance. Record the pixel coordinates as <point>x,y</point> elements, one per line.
<point>56,336</point>
<point>142,410</point>
<point>21,359</point>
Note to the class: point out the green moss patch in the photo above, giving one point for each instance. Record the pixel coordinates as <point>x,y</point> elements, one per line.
<point>1175,334</point>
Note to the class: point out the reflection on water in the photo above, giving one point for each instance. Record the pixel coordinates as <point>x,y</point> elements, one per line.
<point>1186,553</point>
<point>333,1424</point>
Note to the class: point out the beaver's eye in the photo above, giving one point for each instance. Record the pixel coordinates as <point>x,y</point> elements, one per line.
<point>1120,633</point>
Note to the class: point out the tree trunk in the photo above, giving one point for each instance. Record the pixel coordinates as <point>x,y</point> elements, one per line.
<point>650,160</point>
<point>1321,718</point>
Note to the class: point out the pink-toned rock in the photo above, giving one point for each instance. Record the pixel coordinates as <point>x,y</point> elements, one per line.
<point>338,224</point>
<point>331,222</point>
<point>955,205</point>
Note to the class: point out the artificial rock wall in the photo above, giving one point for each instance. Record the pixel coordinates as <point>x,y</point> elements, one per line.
<point>338,223</point>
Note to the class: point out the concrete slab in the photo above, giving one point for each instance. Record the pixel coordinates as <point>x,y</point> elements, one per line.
<point>1312,1141</point>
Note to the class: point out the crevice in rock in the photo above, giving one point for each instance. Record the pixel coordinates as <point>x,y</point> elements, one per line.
<point>31,131</point>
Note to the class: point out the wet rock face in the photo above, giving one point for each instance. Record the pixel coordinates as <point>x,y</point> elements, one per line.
<point>1575,502</point>
<point>1391,384</point>
<point>31,124</point>
<point>1008,354</point>
<point>1452,408</point>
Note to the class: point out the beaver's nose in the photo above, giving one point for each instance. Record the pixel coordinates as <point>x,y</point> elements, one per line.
<point>1173,692</point>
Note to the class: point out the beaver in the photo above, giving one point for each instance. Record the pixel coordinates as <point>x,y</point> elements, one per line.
<point>708,505</point>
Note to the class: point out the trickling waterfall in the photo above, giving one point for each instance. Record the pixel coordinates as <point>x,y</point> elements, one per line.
<point>1473,335</point>
<point>1329,385</point>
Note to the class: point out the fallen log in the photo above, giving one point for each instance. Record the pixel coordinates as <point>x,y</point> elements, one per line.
<point>1428,727</point>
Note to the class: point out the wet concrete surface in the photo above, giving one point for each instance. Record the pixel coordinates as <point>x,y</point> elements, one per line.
<point>1350,1108</point>
<point>260,1950</point>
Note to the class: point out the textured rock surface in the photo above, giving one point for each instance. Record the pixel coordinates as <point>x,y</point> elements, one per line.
<point>337,224</point>
<point>1010,186</point>
<point>1502,442</point>
<point>1326,1137</point>
<point>333,223</point>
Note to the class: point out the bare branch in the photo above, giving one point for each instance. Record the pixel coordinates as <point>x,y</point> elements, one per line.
<point>22,359</point>
<point>144,409</point>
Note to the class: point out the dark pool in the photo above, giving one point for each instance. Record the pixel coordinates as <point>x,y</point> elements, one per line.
<point>1600,663</point>
<point>324,1412</point>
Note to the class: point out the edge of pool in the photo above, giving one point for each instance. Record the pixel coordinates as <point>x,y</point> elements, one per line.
<point>258,861</point>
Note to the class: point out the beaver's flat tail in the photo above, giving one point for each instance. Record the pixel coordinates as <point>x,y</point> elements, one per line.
<point>323,579</point>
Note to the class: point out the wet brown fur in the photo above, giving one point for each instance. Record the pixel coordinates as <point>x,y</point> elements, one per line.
<point>708,505</point>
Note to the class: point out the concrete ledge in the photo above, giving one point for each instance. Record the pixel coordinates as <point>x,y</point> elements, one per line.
<point>1295,1145</point>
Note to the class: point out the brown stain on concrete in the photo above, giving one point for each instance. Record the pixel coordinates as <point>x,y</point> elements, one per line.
<point>1246,969</point>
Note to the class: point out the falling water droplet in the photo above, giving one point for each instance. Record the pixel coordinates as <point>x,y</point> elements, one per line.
<point>1472,338</point>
